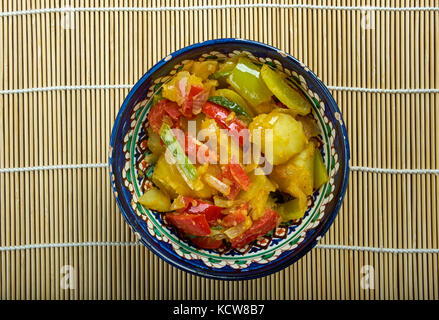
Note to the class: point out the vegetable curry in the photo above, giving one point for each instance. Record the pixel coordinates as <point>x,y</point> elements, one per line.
<point>235,150</point>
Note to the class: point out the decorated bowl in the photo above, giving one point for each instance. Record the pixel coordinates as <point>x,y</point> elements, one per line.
<point>276,250</point>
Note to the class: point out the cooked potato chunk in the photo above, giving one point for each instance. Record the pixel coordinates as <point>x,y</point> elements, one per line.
<point>305,160</point>
<point>210,86</point>
<point>155,199</point>
<point>167,177</point>
<point>285,139</point>
<point>291,210</point>
<point>296,177</point>
<point>205,68</point>
<point>154,142</point>
<point>264,107</point>
<point>257,194</point>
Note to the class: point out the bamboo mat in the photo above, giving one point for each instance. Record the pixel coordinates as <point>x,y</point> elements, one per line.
<point>58,124</point>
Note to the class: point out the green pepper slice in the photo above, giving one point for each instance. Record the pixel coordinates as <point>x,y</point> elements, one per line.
<point>286,94</point>
<point>246,80</point>
<point>320,173</point>
<point>233,96</point>
<point>219,74</point>
<point>177,152</point>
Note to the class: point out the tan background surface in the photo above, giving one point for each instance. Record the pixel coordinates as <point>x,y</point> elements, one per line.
<point>73,127</point>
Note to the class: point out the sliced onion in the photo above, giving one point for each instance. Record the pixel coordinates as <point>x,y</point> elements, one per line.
<point>239,229</point>
<point>199,101</point>
<point>223,203</point>
<point>182,86</point>
<point>217,184</point>
<point>217,234</point>
<point>196,185</point>
<point>227,181</point>
<point>178,203</point>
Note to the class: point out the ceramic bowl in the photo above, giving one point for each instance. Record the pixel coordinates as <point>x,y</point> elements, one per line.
<point>274,251</point>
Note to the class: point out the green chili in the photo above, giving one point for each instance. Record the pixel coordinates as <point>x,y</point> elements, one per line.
<point>177,152</point>
<point>233,106</point>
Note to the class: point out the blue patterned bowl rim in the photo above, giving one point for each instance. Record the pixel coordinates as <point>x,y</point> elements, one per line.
<point>312,236</point>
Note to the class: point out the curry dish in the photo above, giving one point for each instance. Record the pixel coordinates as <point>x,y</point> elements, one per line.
<point>235,150</point>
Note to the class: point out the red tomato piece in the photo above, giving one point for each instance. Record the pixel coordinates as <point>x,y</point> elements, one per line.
<point>236,127</point>
<point>233,219</point>
<point>239,175</point>
<point>163,111</point>
<point>207,242</point>
<point>171,108</point>
<point>236,217</point>
<point>196,151</point>
<point>234,188</point>
<point>211,212</point>
<point>218,113</point>
<point>260,227</point>
<point>225,173</point>
<point>193,224</point>
<point>187,107</point>
<point>195,90</point>
<point>155,117</point>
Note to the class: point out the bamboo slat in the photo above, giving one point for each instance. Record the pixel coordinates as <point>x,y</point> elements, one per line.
<point>386,130</point>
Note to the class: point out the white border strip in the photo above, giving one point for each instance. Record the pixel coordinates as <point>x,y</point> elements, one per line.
<point>129,86</point>
<point>394,171</point>
<point>215,7</point>
<point>374,249</point>
<point>60,88</point>
<point>69,245</point>
<point>378,90</point>
<point>104,165</point>
<point>127,244</point>
<point>55,167</point>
